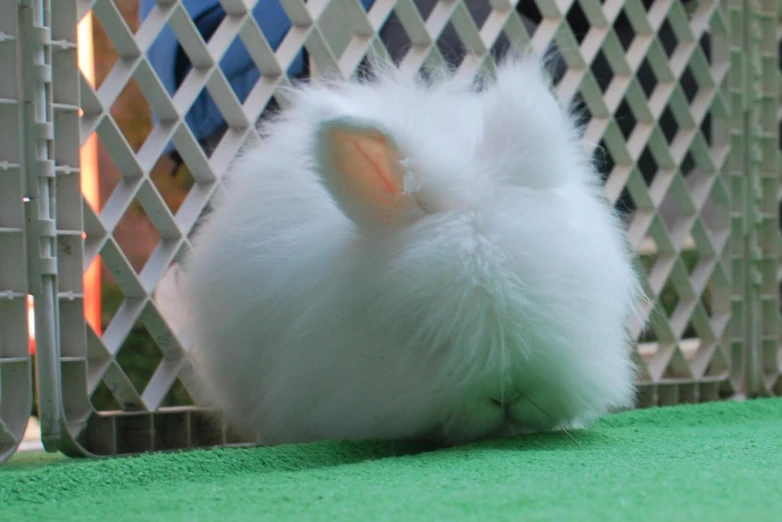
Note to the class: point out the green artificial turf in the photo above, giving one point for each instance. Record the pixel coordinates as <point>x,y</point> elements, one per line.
<point>711,462</point>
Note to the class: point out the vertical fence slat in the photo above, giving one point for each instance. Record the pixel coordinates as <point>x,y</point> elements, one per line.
<point>15,362</point>
<point>41,210</point>
<point>763,134</point>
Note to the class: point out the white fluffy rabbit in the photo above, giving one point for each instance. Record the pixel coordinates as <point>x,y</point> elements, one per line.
<point>414,259</point>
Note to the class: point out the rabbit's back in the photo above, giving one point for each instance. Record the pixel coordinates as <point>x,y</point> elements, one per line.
<point>381,268</point>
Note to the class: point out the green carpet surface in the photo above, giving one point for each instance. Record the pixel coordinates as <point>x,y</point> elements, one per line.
<point>711,462</point>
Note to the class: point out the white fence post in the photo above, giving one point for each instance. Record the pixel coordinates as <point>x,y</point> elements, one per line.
<point>15,364</point>
<point>41,209</point>
<point>765,164</point>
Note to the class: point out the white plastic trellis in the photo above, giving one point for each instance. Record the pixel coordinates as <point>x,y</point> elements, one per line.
<point>667,86</point>
<point>15,371</point>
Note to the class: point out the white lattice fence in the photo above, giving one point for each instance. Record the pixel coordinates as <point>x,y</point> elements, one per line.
<point>664,87</point>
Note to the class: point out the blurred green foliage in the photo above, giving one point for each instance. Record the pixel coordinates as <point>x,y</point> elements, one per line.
<point>138,357</point>
<point>669,298</point>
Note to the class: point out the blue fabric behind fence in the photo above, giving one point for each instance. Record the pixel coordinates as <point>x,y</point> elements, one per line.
<point>204,119</point>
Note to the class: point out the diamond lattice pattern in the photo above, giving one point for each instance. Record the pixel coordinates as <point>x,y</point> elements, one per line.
<point>653,80</point>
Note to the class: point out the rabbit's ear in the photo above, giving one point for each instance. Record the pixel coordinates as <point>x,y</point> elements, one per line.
<point>362,168</point>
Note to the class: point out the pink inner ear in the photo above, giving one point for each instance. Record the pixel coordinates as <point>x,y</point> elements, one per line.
<point>370,167</point>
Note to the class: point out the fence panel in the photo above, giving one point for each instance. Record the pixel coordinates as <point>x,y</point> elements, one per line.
<point>766,122</point>
<point>15,364</point>
<point>662,84</point>
<point>65,103</point>
<point>774,364</point>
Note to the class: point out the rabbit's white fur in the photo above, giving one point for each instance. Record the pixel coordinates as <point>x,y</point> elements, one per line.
<point>494,302</point>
